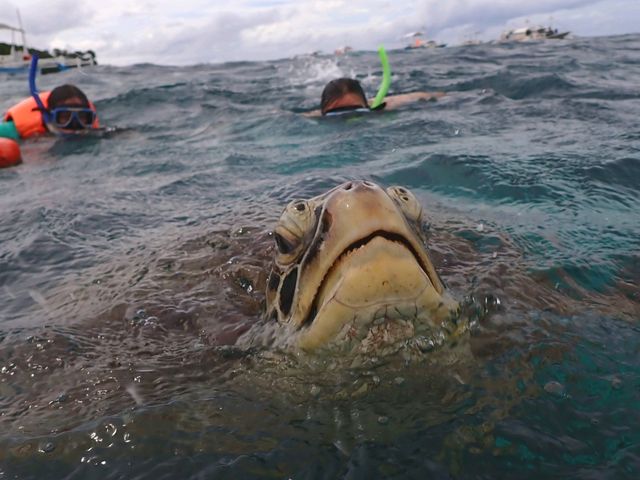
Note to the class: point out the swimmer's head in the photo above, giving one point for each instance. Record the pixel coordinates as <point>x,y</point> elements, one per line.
<point>71,111</point>
<point>342,93</point>
<point>67,96</point>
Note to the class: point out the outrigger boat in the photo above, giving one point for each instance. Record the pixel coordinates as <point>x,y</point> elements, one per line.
<point>18,58</point>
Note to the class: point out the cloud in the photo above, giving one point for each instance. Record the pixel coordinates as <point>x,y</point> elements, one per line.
<point>490,12</point>
<point>193,31</point>
<point>46,18</point>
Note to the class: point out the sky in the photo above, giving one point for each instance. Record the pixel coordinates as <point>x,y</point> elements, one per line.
<point>185,32</point>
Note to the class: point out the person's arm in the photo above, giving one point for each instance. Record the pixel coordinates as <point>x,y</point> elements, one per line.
<point>8,130</point>
<point>313,113</point>
<point>395,101</point>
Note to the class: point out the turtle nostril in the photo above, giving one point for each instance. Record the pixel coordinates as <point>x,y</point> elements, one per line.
<point>348,186</point>
<point>368,184</point>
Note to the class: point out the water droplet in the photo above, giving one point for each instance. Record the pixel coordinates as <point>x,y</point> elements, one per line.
<point>425,344</point>
<point>480,227</point>
<point>111,429</point>
<point>46,447</point>
<point>398,380</point>
<point>59,399</point>
<point>8,368</point>
<point>245,284</point>
<point>555,388</point>
<point>383,420</point>
<point>151,321</point>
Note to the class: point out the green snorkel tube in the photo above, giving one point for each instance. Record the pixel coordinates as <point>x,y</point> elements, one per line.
<point>378,102</point>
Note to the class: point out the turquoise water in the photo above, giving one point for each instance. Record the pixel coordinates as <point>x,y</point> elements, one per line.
<point>131,264</point>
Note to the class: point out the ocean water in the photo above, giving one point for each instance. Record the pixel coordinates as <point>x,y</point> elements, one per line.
<point>131,264</point>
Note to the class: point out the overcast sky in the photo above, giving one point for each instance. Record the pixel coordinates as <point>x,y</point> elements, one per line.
<point>179,32</point>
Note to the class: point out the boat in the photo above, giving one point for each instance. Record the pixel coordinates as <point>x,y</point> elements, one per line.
<point>416,41</point>
<point>342,50</point>
<point>532,33</point>
<point>63,60</point>
<point>16,57</point>
<point>472,39</point>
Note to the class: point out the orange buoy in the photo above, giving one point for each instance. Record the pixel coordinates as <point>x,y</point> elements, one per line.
<point>9,153</point>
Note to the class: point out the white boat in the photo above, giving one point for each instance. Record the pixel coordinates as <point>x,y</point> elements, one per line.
<point>416,41</point>
<point>532,33</point>
<point>18,59</point>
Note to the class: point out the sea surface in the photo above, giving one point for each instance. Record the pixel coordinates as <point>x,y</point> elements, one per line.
<point>132,266</point>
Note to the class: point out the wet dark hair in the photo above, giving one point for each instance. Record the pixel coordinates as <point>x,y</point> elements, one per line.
<point>339,87</point>
<point>61,94</point>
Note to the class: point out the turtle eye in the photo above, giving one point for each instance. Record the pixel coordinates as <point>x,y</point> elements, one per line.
<point>294,230</point>
<point>285,247</point>
<point>288,245</point>
<point>407,202</point>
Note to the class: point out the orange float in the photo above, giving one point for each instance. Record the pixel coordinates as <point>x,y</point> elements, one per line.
<point>9,153</point>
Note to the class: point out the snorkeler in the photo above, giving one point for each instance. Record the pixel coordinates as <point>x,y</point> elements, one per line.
<point>63,111</point>
<point>68,111</point>
<point>346,95</point>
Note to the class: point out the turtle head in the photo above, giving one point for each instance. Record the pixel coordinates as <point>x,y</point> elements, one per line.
<point>352,264</point>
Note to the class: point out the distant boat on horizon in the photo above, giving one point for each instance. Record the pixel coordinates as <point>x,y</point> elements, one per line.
<point>342,50</point>
<point>416,41</point>
<point>532,33</point>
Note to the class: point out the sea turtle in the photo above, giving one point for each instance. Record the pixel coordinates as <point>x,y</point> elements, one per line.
<point>351,268</point>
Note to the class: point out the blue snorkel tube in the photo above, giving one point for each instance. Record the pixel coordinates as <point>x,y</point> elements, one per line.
<point>47,116</point>
<point>33,71</point>
<point>386,80</point>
